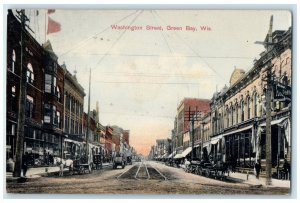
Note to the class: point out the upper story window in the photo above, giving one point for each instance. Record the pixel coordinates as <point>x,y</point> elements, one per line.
<point>255,101</point>
<point>47,113</point>
<point>232,115</point>
<point>29,112</point>
<point>58,119</point>
<point>227,118</point>
<point>236,113</point>
<point>13,61</point>
<point>14,103</point>
<point>242,110</point>
<point>50,84</point>
<point>51,67</point>
<point>54,120</point>
<point>30,74</point>
<point>249,107</point>
<point>58,94</point>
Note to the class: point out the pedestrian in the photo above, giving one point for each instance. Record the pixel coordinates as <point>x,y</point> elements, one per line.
<point>286,169</point>
<point>257,167</point>
<point>25,160</point>
<point>51,159</point>
<point>61,169</point>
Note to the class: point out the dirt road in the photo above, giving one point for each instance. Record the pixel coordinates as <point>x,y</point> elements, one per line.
<point>139,178</point>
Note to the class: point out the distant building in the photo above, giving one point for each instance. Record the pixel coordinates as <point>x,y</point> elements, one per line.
<point>73,115</point>
<point>182,125</point>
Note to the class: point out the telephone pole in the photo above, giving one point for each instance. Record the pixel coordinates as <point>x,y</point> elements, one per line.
<point>269,45</point>
<point>268,107</point>
<point>192,116</point>
<point>88,120</point>
<point>22,100</point>
<point>268,128</point>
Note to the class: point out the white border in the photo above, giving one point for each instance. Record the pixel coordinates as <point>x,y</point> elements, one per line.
<point>258,4</point>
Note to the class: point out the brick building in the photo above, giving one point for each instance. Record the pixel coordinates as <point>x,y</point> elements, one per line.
<point>182,125</point>
<point>73,115</point>
<point>44,101</point>
<point>53,102</point>
<point>238,114</point>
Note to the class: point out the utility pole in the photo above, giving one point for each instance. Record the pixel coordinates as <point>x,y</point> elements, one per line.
<point>202,137</point>
<point>22,101</point>
<point>269,45</point>
<point>268,129</point>
<point>268,109</point>
<point>193,135</point>
<point>192,116</point>
<point>88,120</point>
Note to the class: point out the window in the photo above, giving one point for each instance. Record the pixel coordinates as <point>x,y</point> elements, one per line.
<point>72,126</point>
<point>255,105</point>
<point>236,113</point>
<point>76,127</point>
<point>50,84</point>
<point>54,120</point>
<point>29,112</point>
<point>58,118</point>
<point>227,117</point>
<point>14,103</point>
<point>248,107</point>
<point>58,94</point>
<point>66,124</point>
<point>242,111</point>
<point>67,102</point>
<point>13,57</point>
<point>30,75</point>
<point>232,115</point>
<point>80,128</point>
<point>47,115</point>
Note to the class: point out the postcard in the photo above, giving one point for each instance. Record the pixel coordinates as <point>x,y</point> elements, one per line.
<point>151,102</point>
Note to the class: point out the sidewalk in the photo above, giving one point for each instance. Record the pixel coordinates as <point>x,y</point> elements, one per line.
<point>253,181</point>
<point>258,182</point>
<point>33,173</point>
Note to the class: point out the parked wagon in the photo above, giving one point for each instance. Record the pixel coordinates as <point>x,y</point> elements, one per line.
<point>79,168</point>
<point>97,160</point>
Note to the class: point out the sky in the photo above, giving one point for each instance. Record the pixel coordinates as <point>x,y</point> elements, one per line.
<point>139,77</point>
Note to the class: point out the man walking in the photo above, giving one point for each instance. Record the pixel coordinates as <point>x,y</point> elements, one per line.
<point>25,160</point>
<point>257,169</point>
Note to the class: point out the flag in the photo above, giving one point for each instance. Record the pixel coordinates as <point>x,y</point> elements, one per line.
<point>51,11</point>
<point>53,26</point>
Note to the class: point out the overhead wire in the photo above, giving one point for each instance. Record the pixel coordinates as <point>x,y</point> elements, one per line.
<point>84,41</point>
<point>191,48</point>
<point>157,55</point>
<point>115,42</point>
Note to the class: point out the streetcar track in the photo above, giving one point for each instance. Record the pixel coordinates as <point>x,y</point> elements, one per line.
<point>124,172</point>
<point>137,172</point>
<point>144,171</point>
<point>147,171</point>
<point>159,172</point>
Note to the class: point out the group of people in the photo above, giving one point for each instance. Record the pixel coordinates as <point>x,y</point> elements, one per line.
<point>285,170</point>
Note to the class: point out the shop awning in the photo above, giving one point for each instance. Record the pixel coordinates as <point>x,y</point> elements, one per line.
<point>178,156</point>
<point>239,130</point>
<point>275,122</point>
<point>171,155</point>
<point>216,139</point>
<point>186,151</point>
<point>72,141</point>
<point>205,144</point>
